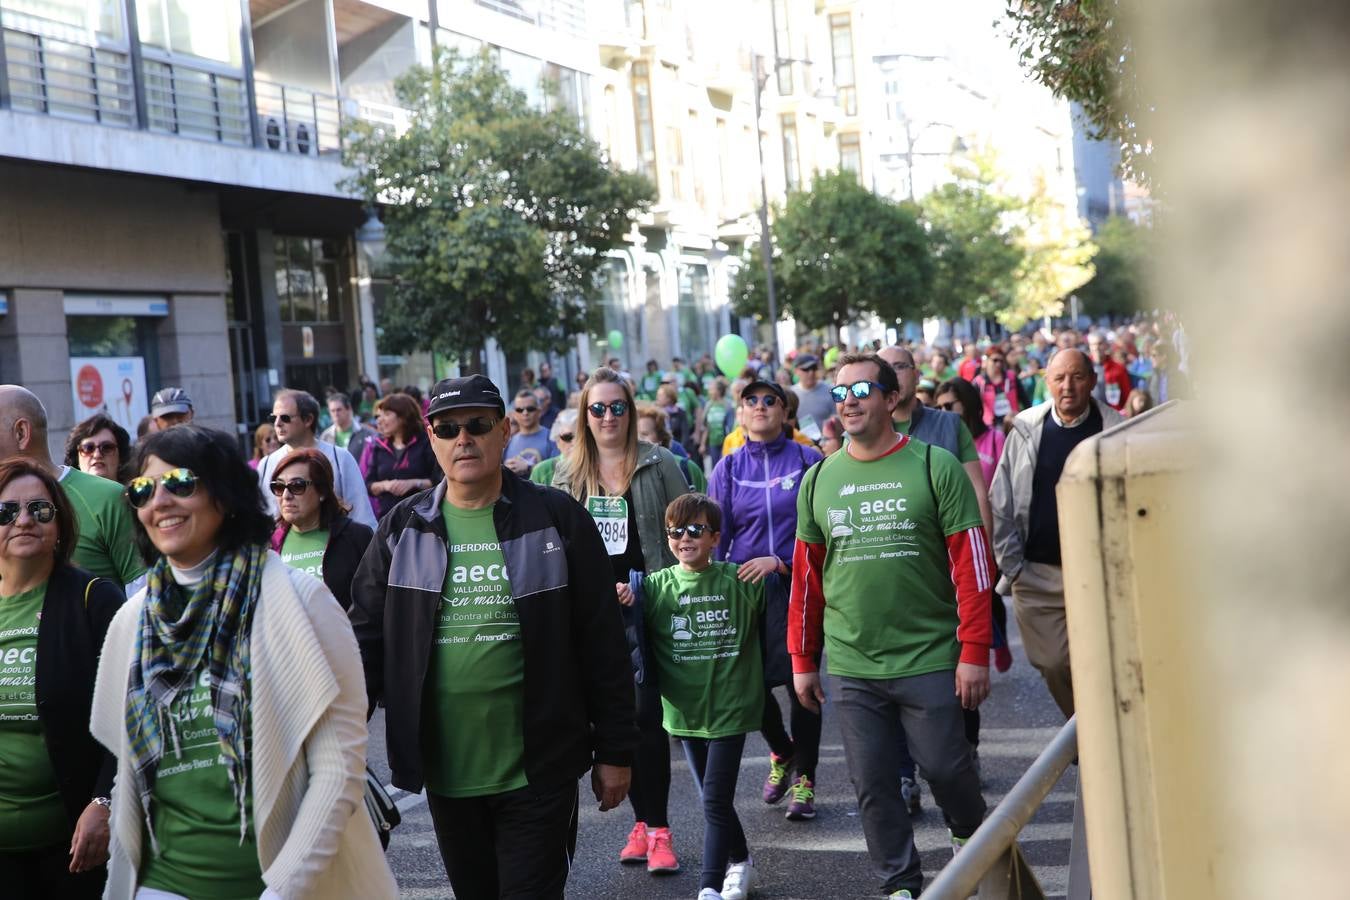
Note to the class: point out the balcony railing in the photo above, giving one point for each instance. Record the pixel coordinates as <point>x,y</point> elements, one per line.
<point>42,74</point>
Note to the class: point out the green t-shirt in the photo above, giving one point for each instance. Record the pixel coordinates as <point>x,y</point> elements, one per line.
<point>343,438</point>
<point>715,421</point>
<point>474,706</point>
<point>647,387</point>
<point>195,815</point>
<point>542,473</point>
<point>304,551</point>
<point>105,545</point>
<point>689,400</point>
<point>703,631</point>
<point>890,607</point>
<point>964,442</point>
<point>31,813</point>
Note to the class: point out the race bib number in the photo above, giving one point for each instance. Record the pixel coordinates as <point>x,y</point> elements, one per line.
<point>1001,405</point>
<point>1113,394</point>
<point>611,517</point>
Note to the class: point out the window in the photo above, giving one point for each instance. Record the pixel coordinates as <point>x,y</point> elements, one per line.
<point>612,302</point>
<point>568,90</point>
<point>642,116</point>
<point>208,30</point>
<point>100,17</point>
<point>675,163</point>
<point>792,173</point>
<point>782,47</point>
<point>841,51</point>
<point>696,141</point>
<point>850,153</point>
<point>526,74</point>
<point>308,285</point>
<point>694,311</point>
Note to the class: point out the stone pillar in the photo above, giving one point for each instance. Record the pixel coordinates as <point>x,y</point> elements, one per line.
<point>193,356</point>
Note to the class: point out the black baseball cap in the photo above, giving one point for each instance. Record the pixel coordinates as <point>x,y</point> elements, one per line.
<point>771,385</point>
<point>457,393</point>
<point>806,361</point>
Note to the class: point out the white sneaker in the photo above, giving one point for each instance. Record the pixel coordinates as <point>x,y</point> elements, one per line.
<point>901,895</point>
<point>709,894</point>
<point>740,881</point>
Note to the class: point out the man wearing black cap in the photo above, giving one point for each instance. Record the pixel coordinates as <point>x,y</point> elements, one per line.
<point>171,406</point>
<point>490,628</point>
<point>813,395</point>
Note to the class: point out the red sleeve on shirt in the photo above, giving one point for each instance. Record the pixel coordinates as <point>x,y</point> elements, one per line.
<point>972,566</point>
<point>806,607</point>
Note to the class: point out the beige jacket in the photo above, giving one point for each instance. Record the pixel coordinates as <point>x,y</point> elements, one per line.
<point>315,839</point>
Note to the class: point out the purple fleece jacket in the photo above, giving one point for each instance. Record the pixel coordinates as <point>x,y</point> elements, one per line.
<point>756,487</point>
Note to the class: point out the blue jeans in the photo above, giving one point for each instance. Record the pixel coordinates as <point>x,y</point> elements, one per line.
<point>716,763</point>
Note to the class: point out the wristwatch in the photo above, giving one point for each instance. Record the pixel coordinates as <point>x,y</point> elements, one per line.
<point>105,802</point>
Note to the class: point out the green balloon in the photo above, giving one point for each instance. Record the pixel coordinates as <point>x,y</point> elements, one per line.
<point>616,339</point>
<point>731,354</point>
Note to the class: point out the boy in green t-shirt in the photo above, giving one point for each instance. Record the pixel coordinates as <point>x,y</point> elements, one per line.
<point>702,627</point>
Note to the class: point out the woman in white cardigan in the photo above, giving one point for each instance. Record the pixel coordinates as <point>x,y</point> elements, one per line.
<point>230,691</point>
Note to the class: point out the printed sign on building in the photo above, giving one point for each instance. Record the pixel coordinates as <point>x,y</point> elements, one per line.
<point>114,385</point>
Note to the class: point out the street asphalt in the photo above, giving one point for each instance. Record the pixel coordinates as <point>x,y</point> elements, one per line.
<point>823,858</point>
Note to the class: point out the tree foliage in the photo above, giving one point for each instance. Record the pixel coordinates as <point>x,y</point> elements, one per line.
<point>1124,251</point>
<point>841,253</point>
<point>497,215</point>
<point>1082,51</point>
<point>974,232</point>
<point>1057,258</point>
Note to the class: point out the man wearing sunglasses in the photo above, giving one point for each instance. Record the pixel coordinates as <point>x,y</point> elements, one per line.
<point>891,575</point>
<point>104,544</point>
<point>489,600</point>
<point>295,418</point>
<point>530,445</point>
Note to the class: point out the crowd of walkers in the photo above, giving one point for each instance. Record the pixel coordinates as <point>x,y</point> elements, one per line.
<point>534,585</point>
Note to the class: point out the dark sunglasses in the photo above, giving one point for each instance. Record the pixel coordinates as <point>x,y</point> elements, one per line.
<point>89,448</point>
<point>695,531</point>
<point>998,359</point>
<point>618,407</point>
<point>296,486</point>
<point>179,482</point>
<point>769,400</point>
<point>526,409</point>
<point>569,436</point>
<point>283,418</point>
<point>859,389</point>
<point>42,511</point>
<point>477,426</point>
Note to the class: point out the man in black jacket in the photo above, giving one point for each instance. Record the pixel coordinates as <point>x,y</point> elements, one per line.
<point>488,624</point>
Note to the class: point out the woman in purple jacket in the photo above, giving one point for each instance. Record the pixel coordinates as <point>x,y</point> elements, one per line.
<point>757,488</point>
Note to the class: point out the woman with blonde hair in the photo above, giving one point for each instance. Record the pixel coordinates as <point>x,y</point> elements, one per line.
<point>626,485</point>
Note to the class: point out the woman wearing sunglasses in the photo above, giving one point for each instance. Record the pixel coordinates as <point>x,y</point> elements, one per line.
<point>562,434</point>
<point>230,691</point>
<point>101,447</point>
<point>55,779</point>
<point>314,533</point>
<point>398,462</point>
<point>756,488</point>
<point>626,485</point>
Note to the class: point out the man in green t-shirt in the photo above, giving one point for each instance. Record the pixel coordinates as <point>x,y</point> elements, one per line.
<point>345,432</point>
<point>892,574</point>
<point>106,545</point>
<point>488,624</point>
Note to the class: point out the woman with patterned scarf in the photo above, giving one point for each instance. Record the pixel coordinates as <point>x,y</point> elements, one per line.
<point>230,691</point>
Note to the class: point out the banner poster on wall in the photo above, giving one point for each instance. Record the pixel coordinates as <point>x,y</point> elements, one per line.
<point>114,385</point>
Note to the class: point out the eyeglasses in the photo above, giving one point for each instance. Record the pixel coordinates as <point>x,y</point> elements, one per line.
<point>997,359</point>
<point>902,367</point>
<point>769,400</point>
<point>42,511</point>
<point>860,389</point>
<point>477,426</point>
<point>90,448</point>
<point>296,486</point>
<point>619,408</point>
<point>696,530</point>
<point>526,409</point>
<point>283,418</point>
<point>179,482</point>
<point>569,437</point>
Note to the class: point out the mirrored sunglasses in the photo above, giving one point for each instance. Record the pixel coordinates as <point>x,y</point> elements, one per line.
<point>42,511</point>
<point>179,482</point>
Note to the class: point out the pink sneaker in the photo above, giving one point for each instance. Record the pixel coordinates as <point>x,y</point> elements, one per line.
<point>635,851</point>
<point>777,784</point>
<point>660,852</point>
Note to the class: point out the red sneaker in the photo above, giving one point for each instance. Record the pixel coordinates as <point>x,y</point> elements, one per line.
<point>660,853</point>
<point>635,851</point>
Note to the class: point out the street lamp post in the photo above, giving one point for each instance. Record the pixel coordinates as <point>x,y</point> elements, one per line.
<point>765,240</point>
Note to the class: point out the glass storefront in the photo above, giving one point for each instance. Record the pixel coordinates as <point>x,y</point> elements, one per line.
<point>694,312</point>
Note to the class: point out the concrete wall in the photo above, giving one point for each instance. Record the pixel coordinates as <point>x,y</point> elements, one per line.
<point>194,355</point>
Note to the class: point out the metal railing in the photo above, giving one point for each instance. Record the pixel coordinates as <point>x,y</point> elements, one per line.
<point>191,101</point>
<point>991,861</point>
<point>61,78</point>
<point>296,120</point>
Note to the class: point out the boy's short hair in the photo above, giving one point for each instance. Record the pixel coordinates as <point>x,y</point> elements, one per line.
<point>688,507</point>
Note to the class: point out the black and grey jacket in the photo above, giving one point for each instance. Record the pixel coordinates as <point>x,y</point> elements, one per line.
<point>579,705</point>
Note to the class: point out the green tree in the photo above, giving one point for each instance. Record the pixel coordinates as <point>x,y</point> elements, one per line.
<point>497,215</point>
<point>1082,51</point>
<point>841,254</point>
<point>1057,260</point>
<point>974,232</point>
<point>1124,251</point>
